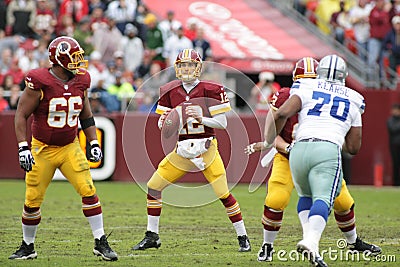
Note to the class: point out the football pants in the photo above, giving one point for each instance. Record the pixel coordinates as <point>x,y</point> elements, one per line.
<point>71,161</point>
<point>173,167</point>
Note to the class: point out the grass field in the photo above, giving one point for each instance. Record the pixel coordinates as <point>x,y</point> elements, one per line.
<point>200,236</point>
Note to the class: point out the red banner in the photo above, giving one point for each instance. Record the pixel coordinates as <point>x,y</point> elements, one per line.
<point>250,36</point>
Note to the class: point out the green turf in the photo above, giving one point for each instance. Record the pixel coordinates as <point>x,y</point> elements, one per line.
<point>201,236</point>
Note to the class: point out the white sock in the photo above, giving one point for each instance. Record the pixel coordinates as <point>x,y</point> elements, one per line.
<point>153,223</point>
<point>270,236</point>
<point>239,227</point>
<point>96,223</point>
<point>29,233</point>
<point>303,216</point>
<point>316,227</point>
<point>351,236</point>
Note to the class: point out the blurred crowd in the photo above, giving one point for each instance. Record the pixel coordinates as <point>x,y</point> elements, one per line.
<point>123,40</point>
<point>368,28</point>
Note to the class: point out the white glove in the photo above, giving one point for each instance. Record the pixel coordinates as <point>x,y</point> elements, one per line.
<point>255,147</point>
<point>26,159</point>
<point>95,151</point>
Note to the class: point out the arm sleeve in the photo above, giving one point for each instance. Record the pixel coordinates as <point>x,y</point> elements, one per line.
<point>218,121</point>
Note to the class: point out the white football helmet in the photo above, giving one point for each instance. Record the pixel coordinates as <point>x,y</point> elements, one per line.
<point>332,68</point>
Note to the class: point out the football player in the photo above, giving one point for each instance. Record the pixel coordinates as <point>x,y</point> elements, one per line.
<point>57,98</point>
<point>201,107</point>
<point>280,184</point>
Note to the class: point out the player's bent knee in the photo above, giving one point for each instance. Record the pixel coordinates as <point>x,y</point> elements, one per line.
<point>277,200</point>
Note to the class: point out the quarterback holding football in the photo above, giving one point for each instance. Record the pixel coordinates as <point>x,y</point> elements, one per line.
<point>192,109</point>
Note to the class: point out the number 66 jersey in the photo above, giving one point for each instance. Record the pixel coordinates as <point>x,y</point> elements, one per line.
<point>328,110</point>
<point>55,120</point>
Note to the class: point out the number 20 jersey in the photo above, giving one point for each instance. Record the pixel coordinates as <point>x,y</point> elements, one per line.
<point>55,120</point>
<point>328,110</point>
<point>209,97</point>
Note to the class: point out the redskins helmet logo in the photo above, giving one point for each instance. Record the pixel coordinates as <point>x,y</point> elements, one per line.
<point>63,48</point>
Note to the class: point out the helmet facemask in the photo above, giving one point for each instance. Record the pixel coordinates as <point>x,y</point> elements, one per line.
<point>188,65</point>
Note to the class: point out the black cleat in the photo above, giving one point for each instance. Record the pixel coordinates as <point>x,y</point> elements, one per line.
<point>319,262</point>
<point>101,248</point>
<point>265,253</point>
<point>150,240</point>
<point>244,243</point>
<point>364,247</point>
<point>25,252</point>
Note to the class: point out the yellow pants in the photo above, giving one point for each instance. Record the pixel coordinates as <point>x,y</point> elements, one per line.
<point>71,161</point>
<point>280,187</point>
<point>173,167</point>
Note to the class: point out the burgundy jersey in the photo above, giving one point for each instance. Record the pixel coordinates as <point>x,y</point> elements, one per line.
<point>55,120</point>
<point>208,97</point>
<point>288,130</point>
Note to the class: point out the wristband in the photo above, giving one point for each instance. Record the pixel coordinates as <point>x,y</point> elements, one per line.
<point>23,143</point>
<point>94,142</point>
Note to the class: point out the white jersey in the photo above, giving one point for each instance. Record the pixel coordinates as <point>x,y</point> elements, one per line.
<point>328,110</point>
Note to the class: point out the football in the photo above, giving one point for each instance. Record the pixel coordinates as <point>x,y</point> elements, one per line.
<point>171,124</point>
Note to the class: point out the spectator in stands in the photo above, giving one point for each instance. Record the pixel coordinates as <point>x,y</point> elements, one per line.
<point>132,48</point>
<point>391,44</point>
<point>21,17</point>
<point>97,69</point>
<point>77,9</point>
<point>119,62</point>
<point>154,40</point>
<point>174,45</point>
<point>45,20</point>
<point>359,15</point>
<point>395,9</point>
<point>41,53</point>
<point>106,39</point>
<point>16,72</point>
<point>3,101</point>
<point>169,25</point>
<point>3,16</point>
<point>83,34</point>
<point>96,4</point>
<point>262,92</point>
<point>339,23</point>
<point>393,127</point>
<point>379,26</point>
<point>15,92</point>
<point>97,18</point>
<point>141,12</point>
<point>7,82</point>
<point>66,26</point>
<point>27,61</point>
<point>191,28</point>
<point>122,89</point>
<point>5,60</point>
<point>202,46</point>
<point>144,67</point>
<point>102,100</point>
<point>122,11</point>
<point>154,80</point>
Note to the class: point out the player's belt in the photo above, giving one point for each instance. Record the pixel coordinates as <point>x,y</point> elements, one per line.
<point>315,140</point>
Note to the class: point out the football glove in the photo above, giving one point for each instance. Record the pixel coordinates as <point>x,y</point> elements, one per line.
<point>289,147</point>
<point>95,151</point>
<point>256,147</point>
<point>162,118</point>
<point>26,159</point>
